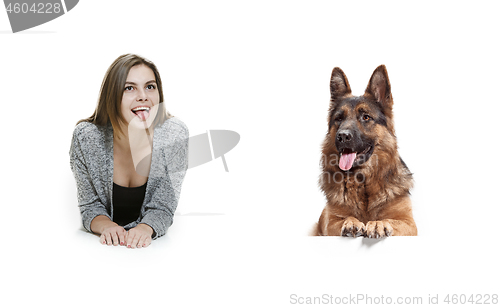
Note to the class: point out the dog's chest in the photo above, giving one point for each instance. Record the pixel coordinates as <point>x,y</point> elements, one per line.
<point>355,196</point>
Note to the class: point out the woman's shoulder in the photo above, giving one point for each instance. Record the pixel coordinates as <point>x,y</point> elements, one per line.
<point>174,128</point>
<point>88,131</point>
<point>171,135</point>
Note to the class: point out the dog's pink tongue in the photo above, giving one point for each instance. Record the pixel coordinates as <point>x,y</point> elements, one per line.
<point>346,161</point>
<point>143,115</point>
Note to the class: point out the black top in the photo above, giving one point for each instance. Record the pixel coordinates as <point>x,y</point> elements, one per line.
<point>127,203</point>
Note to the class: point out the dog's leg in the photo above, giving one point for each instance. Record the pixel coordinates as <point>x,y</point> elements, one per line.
<point>395,219</point>
<point>333,225</point>
<point>352,227</point>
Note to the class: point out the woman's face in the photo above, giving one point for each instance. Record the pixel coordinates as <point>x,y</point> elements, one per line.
<point>140,97</point>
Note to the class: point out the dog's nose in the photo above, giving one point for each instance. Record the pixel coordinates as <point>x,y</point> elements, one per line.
<point>344,136</point>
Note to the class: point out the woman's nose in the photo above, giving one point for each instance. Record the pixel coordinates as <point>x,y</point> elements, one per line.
<point>141,95</point>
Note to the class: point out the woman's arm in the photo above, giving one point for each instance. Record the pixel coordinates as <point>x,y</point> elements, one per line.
<point>159,210</point>
<point>88,200</point>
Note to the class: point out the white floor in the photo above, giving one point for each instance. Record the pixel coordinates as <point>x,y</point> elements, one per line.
<point>206,261</point>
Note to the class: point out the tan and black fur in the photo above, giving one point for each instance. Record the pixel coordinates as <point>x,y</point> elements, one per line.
<point>372,198</point>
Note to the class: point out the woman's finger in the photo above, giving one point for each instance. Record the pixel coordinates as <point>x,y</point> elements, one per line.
<point>121,236</point>
<point>130,238</point>
<point>102,239</point>
<point>114,236</point>
<point>147,242</point>
<point>141,241</point>
<point>133,242</point>
<point>108,238</point>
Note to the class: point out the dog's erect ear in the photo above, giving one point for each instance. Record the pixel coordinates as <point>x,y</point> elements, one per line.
<point>339,86</point>
<point>380,87</point>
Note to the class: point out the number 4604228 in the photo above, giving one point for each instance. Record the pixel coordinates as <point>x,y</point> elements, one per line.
<point>37,8</point>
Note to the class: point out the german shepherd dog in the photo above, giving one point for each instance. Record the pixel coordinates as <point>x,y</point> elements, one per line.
<point>365,181</point>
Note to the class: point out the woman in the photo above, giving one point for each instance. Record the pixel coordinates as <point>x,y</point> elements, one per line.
<point>129,158</point>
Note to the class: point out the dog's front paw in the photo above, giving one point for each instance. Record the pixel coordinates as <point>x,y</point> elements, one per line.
<point>353,227</point>
<point>378,229</point>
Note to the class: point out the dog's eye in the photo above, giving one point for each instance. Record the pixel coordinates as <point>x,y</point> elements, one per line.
<point>366,117</point>
<point>338,119</point>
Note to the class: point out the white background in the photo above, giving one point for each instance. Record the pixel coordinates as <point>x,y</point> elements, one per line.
<point>262,69</point>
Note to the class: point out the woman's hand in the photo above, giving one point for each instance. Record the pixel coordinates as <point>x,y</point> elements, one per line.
<point>113,235</point>
<point>140,236</point>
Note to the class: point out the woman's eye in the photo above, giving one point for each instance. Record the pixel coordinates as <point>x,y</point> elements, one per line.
<point>129,88</point>
<point>151,87</point>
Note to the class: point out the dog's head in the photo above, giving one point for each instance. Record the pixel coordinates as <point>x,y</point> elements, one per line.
<point>357,124</point>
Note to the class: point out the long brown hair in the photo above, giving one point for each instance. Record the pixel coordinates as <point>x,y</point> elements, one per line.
<point>112,87</point>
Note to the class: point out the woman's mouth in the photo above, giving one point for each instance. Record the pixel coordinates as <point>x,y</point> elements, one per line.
<point>142,112</point>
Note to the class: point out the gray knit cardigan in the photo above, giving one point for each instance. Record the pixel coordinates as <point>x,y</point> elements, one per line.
<point>91,160</point>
